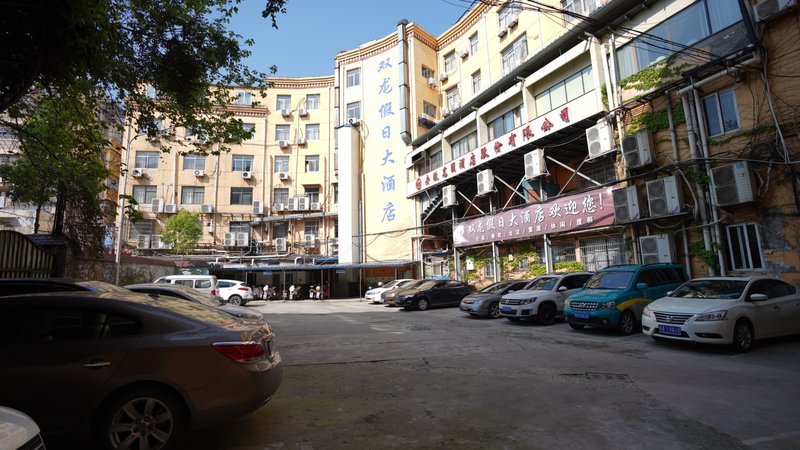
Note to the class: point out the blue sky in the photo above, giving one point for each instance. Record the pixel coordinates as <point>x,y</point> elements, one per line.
<point>333,25</point>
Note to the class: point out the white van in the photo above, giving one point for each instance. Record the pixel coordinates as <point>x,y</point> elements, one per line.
<point>203,283</point>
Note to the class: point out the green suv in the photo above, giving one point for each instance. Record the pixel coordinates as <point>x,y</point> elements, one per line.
<point>615,296</point>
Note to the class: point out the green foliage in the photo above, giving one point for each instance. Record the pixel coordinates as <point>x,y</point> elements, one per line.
<point>698,249</point>
<point>604,95</point>
<point>653,76</point>
<point>182,231</point>
<point>698,176</point>
<point>569,266</point>
<point>657,120</point>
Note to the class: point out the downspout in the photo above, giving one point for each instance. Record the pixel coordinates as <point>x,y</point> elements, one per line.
<point>216,198</point>
<point>402,76</point>
<point>673,137</point>
<point>266,180</point>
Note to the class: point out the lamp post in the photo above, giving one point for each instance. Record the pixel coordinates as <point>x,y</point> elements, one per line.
<point>121,200</point>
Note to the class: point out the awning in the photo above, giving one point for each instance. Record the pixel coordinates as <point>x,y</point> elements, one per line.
<point>316,215</point>
<point>295,267</point>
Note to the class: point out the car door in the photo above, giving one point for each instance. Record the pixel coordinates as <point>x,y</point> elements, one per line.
<point>572,283</point>
<point>59,359</point>
<point>438,294</point>
<point>642,297</point>
<point>457,291</point>
<point>773,316</point>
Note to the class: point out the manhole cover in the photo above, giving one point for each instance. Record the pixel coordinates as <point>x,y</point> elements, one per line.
<point>608,376</point>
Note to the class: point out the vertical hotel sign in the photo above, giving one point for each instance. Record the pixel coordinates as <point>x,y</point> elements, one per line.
<point>571,213</point>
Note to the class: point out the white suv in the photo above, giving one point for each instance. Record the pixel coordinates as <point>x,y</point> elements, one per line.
<point>234,292</point>
<point>544,297</point>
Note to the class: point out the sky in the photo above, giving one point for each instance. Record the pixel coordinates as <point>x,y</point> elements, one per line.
<point>312,32</point>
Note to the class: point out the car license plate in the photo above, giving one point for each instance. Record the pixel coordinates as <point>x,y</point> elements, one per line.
<point>668,329</point>
<point>506,309</point>
<point>581,315</point>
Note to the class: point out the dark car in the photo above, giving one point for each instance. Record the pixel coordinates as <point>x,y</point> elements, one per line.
<point>486,302</point>
<point>387,298</point>
<point>193,295</point>
<point>432,293</point>
<point>129,370</point>
<point>17,286</point>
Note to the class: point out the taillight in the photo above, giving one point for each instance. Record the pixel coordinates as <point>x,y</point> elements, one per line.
<point>240,351</point>
<point>213,292</point>
<point>244,289</point>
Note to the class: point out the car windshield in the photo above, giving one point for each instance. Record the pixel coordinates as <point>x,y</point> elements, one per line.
<point>610,280</point>
<point>717,289</point>
<point>391,284</point>
<point>199,297</point>
<point>496,287</point>
<point>426,285</point>
<point>410,283</point>
<point>542,284</point>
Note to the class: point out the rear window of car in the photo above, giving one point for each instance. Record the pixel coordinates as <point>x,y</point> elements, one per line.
<point>202,284</point>
<point>195,311</point>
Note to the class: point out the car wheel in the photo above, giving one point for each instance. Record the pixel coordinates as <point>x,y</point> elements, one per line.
<point>546,314</point>
<point>576,326</point>
<point>143,418</point>
<point>742,336</point>
<point>235,300</point>
<point>422,304</point>
<point>494,310</point>
<point>627,323</point>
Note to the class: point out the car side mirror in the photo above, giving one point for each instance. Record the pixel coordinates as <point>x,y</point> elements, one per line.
<point>758,297</point>
<point>562,288</point>
<point>669,293</point>
<point>641,286</point>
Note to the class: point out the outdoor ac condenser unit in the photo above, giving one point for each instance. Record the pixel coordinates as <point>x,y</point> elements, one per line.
<point>258,207</point>
<point>207,208</point>
<point>626,204</point>
<point>485,182</point>
<point>534,164</point>
<point>637,149</point>
<point>170,208</point>
<point>600,139</point>
<point>658,248</point>
<point>732,184</point>
<point>280,244</point>
<point>157,205</point>
<point>143,241</point>
<point>229,240</point>
<point>664,197</point>
<point>449,196</point>
<point>242,239</point>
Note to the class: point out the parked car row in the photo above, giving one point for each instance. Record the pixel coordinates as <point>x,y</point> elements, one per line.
<point>100,366</point>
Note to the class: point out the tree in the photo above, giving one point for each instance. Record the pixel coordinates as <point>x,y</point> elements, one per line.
<point>182,231</point>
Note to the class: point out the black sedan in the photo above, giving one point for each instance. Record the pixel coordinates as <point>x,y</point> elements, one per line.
<point>432,293</point>
<point>102,370</point>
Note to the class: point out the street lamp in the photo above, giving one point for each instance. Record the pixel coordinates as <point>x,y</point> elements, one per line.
<point>121,199</point>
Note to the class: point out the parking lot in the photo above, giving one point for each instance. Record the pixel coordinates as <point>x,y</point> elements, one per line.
<point>369,376</point>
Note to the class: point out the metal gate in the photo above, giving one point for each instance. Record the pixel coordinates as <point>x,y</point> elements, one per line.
<point>21,258</point>
<point>597,253</point>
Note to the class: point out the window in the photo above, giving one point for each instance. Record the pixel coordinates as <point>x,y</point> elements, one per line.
<point>686,28</point>
<point>250,128</point>
<point>465,144</point>
<point>504,123</point>
<point>312,164</point>
<point>353,77</point>
<point>242,163</point>
<point>239,227</point>
<point>354,111</point>
<point>509,13</point>
<point>313,195</point>
<point>280,230</point>
<point>564,91</point>
<point>428,73</point>
<point>429,109</point>
<point>311,227</point>
<point>450,62</point>
<point>488,269</point>
<point>515,54</point>
<point>280,196</point>
<point>602,170</point>
<point>284,102</point>
<point>60,324</point>
<point>146,160</point>
<point>771,288</point>
<point>312,101</point>
<point>244,98</point>
<point>312,132</point>
<point>194,162</point>
<point>335,194</point>
<point>476,82</point>
<point>156,125</point>
<point>720,112</point>
<point>140,228</point>
<point>452,99</point>
<point>192,195</point>
<point>435,160</point>
<point>281,164</point>
<point>523,264</point>
<point>473,44</point>
<point>241,196</point>
<point>144,194</point>
<point>744,247</point>
<point>579,7</point>
<point>650,277</point>
<point>189,133</point>
<point>282,132</point>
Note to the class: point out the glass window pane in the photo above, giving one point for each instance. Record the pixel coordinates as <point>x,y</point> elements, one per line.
<point>588,81</point>
<point>574,85</point>
<point>713,125</point>
<point>755,249</point>
<point>723,13</point>
<point>688,26</point>
<point>727,104</point>
<point>558,95</point>
<point>543,103</point>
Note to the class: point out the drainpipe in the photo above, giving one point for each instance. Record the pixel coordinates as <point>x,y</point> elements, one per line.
<point>495,250</point>
<point>673,137</point>
<point>402,76</point>
<point>455,249</point>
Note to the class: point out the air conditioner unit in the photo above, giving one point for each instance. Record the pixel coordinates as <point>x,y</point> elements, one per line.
<point>300,141</point>
<point>283,175</point>
<point>534,164</point>
<point>658,248</point>
<point>143,241</point>
<point>199,173</point>
<point>136,173</point>
<point>283,144</point>
<point>303,203</point>
<point>258,207</point>
<point>449,196</point>
<point>664,197</point>
<point>247,175</point>
<point>443,76</point>
<point>292,204</point>
<point>229,240</point>
<point>426,121</point>
<point>207,208</point>
<point>432,82</point>
<point>281,207</point>
<point>157,205</point>
<point>464,52</point>
<point>600,139</point>
<point>314,206</point>
<point>513,22</point>
<point>286,112</point>
<point>637,149</point>
<point>280,244</point>
<point>302,112</point>
<point>310,240</point>
<point>771,8</point>
<point>626,204</point>
<point>732,184</point>
<point>242,239</point>
<point>485,182</point>
<point>502,32</point>
<point>156,242</point>
<point>170,208</point>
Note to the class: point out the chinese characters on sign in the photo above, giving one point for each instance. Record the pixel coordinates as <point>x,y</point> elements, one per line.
<point>385,111</point>
<point>575,212</point>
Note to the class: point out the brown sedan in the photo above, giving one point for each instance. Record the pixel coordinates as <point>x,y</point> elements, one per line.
<point>130,370</point>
